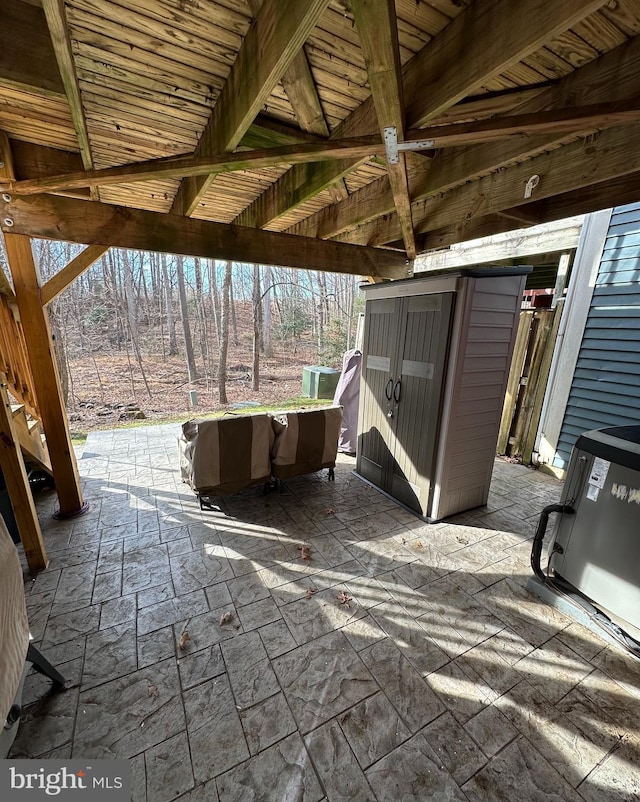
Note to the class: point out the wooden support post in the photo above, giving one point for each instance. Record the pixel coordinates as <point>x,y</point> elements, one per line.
<point>541,379</point>
<point>17,482</point>
<point>561,279</point>
<point>513,384</point>
<point>37,334</point>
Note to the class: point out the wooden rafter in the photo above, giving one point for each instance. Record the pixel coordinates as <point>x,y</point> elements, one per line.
<point>59,282</point>
<point>555,122</point>
<point>375,199</point>
<point>57,22</point>
<point>483,42</point>
<point>279,198</point>
<point>97,223</point>
<point>607,155</point>
<point>613,192</point>
<point>614,77</point>
<point>378,30</point>
<point>276,35</point>
<point>302,92</point>
<point>298,83</point>
<point>182,166</point>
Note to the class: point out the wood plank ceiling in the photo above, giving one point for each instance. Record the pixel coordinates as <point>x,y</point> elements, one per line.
<point>269,114</point>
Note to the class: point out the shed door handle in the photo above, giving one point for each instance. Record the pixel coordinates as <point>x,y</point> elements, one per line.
<point>388,389</point>
<point>397,391</point>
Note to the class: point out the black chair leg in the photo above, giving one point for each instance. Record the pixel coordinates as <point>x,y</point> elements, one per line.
<point>332,475</point>
<point>43,666</point>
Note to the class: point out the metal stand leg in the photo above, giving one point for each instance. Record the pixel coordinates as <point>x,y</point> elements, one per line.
<point>43,666</point>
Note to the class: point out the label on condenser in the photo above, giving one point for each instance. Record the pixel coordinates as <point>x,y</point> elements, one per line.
<point>592,492</point>
<point>599,471</point>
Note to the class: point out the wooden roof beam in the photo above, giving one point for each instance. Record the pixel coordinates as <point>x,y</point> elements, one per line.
<point>302,92</point>
<point>27,59</point>
<point>608,155</point>
<point>71,220</point>
<point>481,43</point>
<point>375,199</point>
<point>57,22</point>
<point>603,195</point>
<point>180,166</point>
<point>278,32</point>
<point>441,60</point>
<point>612,78</point>
<point>378,30</point>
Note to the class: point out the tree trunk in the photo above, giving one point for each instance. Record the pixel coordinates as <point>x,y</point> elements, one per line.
<point>202,314</point>
<point>171,324</point>
<point>266,315</point>
<point>132,319</point>
<point>257,326</point>
<point>234,322</point>
<point>224,336</point>
<point>184,313</point>
<point>214,297</point>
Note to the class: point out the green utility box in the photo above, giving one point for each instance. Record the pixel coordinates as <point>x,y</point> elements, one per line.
<point>319,382</point>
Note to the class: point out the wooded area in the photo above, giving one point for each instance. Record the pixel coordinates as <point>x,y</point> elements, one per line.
<point>137,331</point>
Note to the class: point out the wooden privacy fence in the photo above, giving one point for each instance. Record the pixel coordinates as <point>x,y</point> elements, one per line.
<point>527,383</point>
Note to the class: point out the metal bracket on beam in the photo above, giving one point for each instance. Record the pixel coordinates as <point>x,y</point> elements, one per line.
<point>393,147</point>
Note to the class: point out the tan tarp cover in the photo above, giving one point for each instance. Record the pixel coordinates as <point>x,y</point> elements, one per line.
<point>14,626</point>
<point>306,441</point>
<point>223,456</point>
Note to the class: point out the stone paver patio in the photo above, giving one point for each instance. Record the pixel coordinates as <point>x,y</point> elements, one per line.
<point>403,661</point>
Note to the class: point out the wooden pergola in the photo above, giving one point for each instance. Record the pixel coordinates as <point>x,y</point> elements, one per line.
<point>346,136</point>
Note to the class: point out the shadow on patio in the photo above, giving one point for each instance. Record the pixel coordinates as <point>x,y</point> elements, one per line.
<point>402,661</point>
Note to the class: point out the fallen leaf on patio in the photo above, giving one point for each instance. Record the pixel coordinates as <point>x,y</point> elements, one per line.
<point>310,592</point>
<point>331,511</point>
<point>184,639</point>
<point>225,618</point>
<point>153,691</point>
<point>305,552</point>
<point>418,544</point>
<point>404,540</point>
<point>344,599</point>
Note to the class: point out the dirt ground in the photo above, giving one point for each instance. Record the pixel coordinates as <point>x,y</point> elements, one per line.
<point>107,389</point>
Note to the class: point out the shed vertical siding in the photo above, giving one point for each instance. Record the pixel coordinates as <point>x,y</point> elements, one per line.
<point>606,384</point>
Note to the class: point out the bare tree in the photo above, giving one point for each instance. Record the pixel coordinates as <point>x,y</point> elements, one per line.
<point>132,320</point>
<point>234,322</point>
<point>267,348</point>
<point>171,325</point>
<point>186,328</point>
<point>256,299</point>
<point>224,336</point>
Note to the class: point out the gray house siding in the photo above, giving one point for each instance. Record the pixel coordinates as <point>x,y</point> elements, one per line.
<point>606,384</point>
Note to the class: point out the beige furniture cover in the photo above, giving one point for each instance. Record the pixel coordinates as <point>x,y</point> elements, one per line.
<point>14,626</point>
<point>305,441</point>
<point>223,456</point>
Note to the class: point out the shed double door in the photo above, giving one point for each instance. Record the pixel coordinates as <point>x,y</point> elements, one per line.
<point>403,370</point>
